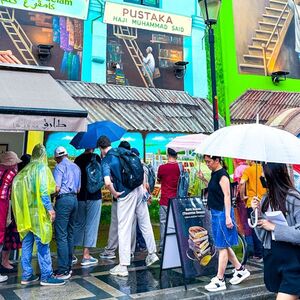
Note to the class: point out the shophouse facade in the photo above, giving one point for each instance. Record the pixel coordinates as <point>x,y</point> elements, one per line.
<point>117,33</point>
<point>106,42</point>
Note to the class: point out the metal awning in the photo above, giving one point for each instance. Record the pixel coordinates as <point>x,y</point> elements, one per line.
<point>143,109</point>
<point>30,99</point>
<point>263,103</point>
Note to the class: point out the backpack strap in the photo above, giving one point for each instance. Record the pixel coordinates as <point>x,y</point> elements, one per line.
<point>180,167</point>
<point>93,158</point>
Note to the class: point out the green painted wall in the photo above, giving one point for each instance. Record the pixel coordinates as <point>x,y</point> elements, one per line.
<point>231,84</point>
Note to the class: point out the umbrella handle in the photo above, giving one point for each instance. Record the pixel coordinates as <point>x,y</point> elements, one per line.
<point>253,225</point>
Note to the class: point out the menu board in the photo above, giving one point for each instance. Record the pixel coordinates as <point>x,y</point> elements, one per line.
<point>190,222</point>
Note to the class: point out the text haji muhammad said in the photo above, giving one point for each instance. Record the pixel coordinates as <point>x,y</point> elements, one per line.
<point>148,19</point>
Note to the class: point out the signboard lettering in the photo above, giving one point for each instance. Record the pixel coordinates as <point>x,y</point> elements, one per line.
<point>132,16</point>
<point>42,123</point>
<point>70,8</point>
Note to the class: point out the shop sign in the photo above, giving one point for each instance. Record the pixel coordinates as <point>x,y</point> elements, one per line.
<point>41,123</point>
<point>143,18</point>
<point>69,8</point>
<point>188,240</point>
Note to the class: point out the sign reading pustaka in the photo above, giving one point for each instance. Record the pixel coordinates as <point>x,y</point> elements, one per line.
<point>139,17</point>
<point>70,8</point>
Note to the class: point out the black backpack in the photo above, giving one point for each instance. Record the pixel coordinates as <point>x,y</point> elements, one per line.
<point>94,178</point>
<point>183,182</point>
<point>132,168</point>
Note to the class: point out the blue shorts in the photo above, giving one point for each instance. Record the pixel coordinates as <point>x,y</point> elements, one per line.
<point>223,236</point>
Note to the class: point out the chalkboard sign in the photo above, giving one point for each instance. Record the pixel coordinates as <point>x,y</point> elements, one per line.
<point>188,240</point>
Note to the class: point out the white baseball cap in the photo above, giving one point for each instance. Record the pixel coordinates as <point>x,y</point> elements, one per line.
<point>60,151</point>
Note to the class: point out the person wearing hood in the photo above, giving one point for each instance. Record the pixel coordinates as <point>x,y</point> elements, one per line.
<point>34,215</point>
<point>8,170</point>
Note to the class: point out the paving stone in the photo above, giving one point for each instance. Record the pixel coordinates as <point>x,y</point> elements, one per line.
<point>143,283</point>
<point>71,290</point>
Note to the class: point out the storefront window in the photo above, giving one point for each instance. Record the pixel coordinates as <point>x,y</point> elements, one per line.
<point>154,3</point>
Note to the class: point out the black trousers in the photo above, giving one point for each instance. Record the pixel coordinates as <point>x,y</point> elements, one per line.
<point>282,268</point>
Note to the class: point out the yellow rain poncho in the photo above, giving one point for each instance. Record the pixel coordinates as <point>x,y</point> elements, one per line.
<point>196,185</point>
<point>29,186</point>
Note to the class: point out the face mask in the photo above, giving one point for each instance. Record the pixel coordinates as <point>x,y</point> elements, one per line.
<point>263,181</point>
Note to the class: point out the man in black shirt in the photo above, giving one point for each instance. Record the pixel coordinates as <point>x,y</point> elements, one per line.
<point>89,211</point>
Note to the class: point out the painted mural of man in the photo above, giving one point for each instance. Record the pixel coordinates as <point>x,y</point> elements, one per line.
<point>295,7</point>
<point>149,62</point>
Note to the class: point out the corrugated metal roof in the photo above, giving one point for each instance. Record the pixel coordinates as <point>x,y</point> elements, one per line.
<point>264,103</point>
<point>143,109</point>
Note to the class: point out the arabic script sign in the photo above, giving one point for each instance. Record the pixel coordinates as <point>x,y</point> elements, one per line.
<point>42,123</point>
<point>70,8</point>
<point>154,20</point>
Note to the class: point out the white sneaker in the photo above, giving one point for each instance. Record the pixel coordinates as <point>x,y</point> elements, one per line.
<point>3,278</point>
<point>239,276</point>
<point>119,270</point>
<point>216,285</point>
<point>151,259</point>
<point>74,260</point>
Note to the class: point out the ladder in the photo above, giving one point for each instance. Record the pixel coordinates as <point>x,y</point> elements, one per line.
<point>129,36</point>
<point>268,39</point>
<point>17,35</point>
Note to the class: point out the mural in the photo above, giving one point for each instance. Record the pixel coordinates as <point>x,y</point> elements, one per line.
<point>143,58</point>
<point>267,37</point>
<point>155,142</point>
<point>22,31</point>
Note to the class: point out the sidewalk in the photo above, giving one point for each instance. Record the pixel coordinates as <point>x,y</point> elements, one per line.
<point>143,283</point>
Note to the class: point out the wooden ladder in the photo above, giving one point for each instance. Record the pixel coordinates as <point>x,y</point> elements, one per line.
<point>17,35</point>
<point>129,36</point>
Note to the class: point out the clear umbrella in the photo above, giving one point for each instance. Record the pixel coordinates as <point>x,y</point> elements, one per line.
<point>253,142</point>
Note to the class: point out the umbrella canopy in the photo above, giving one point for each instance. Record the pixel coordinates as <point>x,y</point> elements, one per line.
<point>187,142</point>
<point>88,139</point>
<point>253,142</point>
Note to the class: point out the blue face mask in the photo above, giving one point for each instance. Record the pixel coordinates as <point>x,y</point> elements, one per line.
<point>263,181</point>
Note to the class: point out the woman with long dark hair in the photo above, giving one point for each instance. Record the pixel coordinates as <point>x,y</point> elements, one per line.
<point>281,242</point>
<point>223,224</point>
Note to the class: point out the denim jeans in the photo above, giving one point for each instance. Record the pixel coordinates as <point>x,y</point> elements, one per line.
<point>66,209</point>
<point>44,257</point>
<point>87,223</point>
<point>223,237</point>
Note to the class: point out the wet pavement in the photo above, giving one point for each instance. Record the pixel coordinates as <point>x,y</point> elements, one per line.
<point>142,283</point>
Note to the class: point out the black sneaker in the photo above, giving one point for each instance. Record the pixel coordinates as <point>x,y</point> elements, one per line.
<point>64,276</point>
<point>31,279</point>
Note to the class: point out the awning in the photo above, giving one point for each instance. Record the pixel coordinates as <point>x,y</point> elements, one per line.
<point>263,103</point>
<point>143,109</point>
<point>30,99</point>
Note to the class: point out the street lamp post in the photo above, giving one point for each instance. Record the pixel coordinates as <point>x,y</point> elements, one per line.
<point>210,11</point>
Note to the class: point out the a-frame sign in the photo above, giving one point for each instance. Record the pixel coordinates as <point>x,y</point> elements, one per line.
<point>188,242</point>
